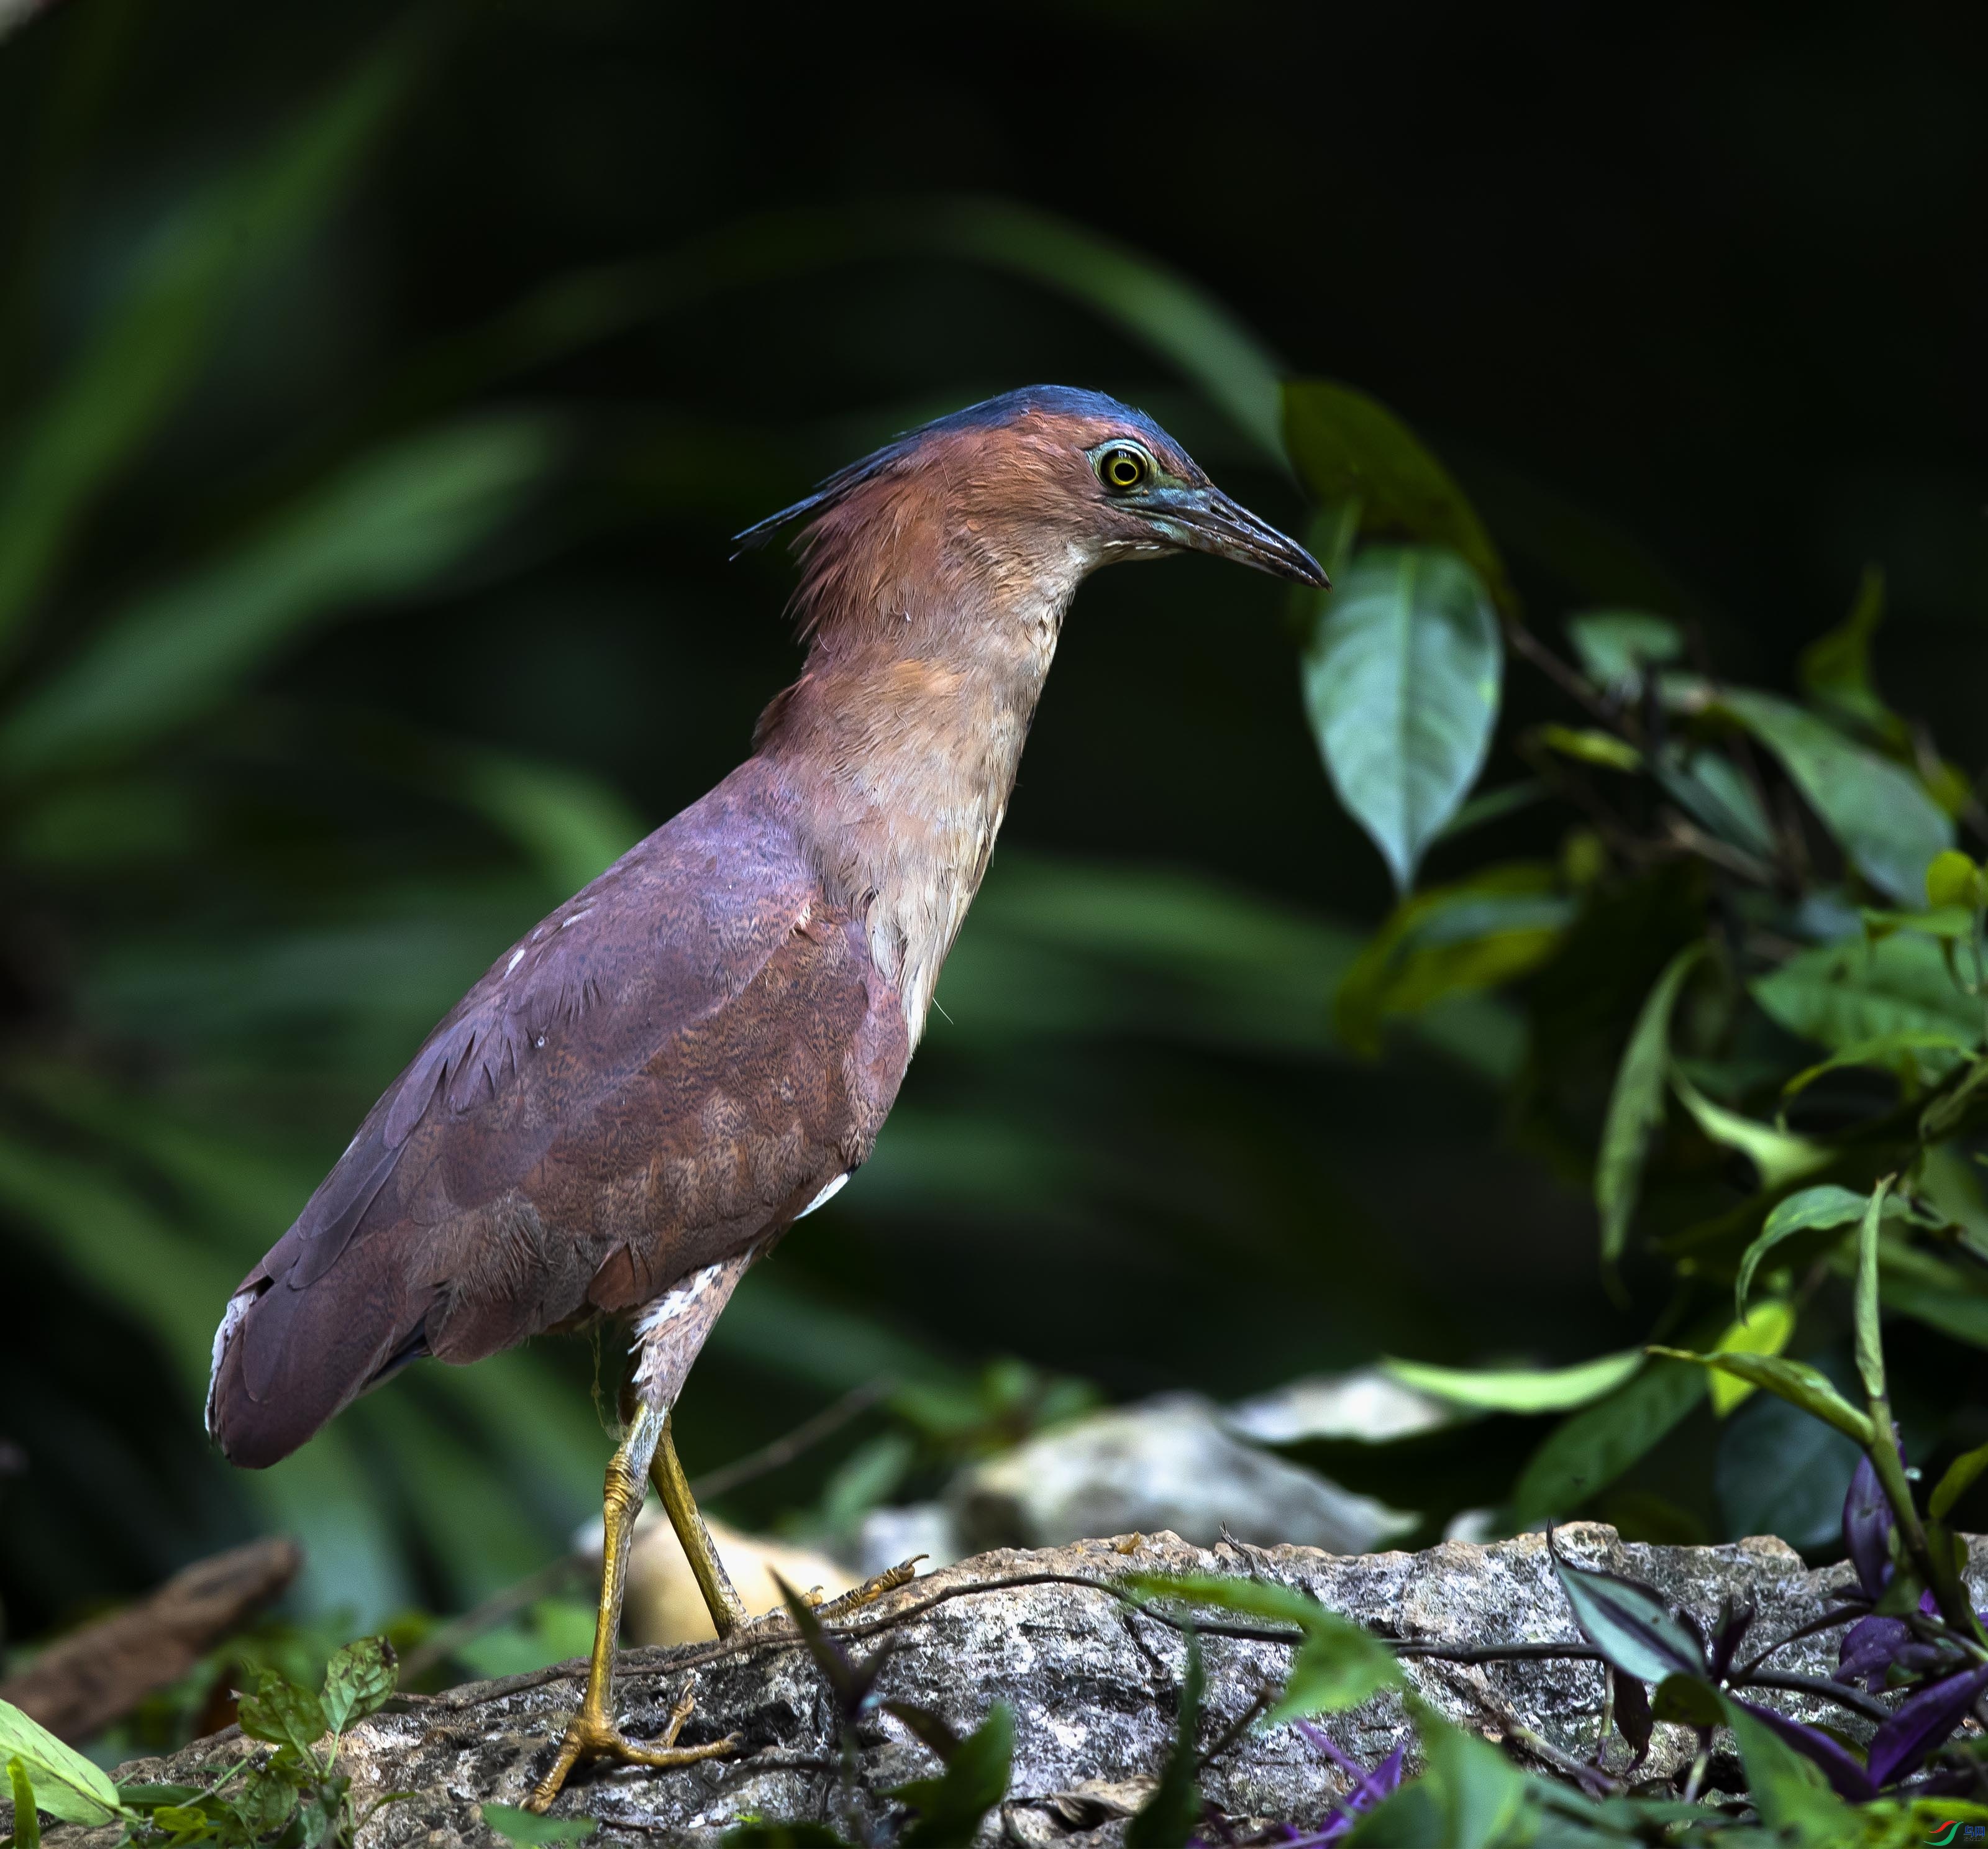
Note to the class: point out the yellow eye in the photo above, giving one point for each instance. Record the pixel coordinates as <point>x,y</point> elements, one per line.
<point>1121,470</point>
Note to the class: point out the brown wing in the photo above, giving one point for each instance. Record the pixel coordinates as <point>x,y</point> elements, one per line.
<point>670,1066</point>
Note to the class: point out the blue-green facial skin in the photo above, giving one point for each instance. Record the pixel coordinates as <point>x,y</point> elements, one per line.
<point>1197,517</point>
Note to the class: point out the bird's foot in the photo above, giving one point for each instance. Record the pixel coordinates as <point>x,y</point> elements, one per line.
<point>870,1590</point>
<point>591,1735</point>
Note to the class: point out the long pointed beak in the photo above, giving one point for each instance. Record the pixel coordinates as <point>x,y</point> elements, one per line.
<point>1207,520</point>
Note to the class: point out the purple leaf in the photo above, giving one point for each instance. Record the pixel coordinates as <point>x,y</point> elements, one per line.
<point>1632,1715</point>
<point>1867,1529</point>
<point>1922,1722</point>
<point>1368,1789</point>
<point>1847,1778</point>
<point>1869,1648</point>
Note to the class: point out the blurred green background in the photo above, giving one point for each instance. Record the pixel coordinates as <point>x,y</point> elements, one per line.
<point>379,387</point>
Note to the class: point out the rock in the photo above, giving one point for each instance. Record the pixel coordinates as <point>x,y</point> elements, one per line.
<point>1094,1685</point>
<point>1368,1404</point>
<point>1169,1464</point>
<point>888,1536</point>
<point>664,1605</point>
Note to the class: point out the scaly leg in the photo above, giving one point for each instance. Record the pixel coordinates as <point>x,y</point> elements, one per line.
<point>592,1733</point>
<point>721,1597</point>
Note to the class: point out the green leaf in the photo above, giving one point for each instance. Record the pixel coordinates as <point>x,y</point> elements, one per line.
<point>1167,1818</point>
<point>1850,994</point>
<point>1401,681</point>
<point>1870,1337</point>
<point>951,1807</point>
<point>1778,1157</point>
<point>67,1785</point>
<point>1591,746</point>
<point>1944,1296</point>
<point>27,1817</point>
<point>1585,1455</point>
<point>1899,1053</point>
<point>1814,1209</point>
<point>1469,1797</point>
<point>1636,1106</point>
<point>1636,1629</point>
<point>762,1834</point>
<point>1958,1479</point>
<point>357,1680</point>
<point>1789,1791</point>
<point>528,1826</point>
<point>1339,1664</point>
<point>1520,1390</point>
<point>1880,813</point>
<point>1834,671</point>
<point>1616,646</point>
<point>1713,790</point>
<point>383,529</point>
<point>1450,940</point>
<point>148,351</point>
<point>1766,1331</point>
<point>1349,447</point>
<point>1794,1381</point>
<point>1688,1701</point>
<point>281,1712</point>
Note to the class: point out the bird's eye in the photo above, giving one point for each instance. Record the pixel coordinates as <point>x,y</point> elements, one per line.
<point>1122,469</point>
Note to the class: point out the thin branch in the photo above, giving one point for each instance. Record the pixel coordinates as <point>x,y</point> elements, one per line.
<point>1843,1696</point>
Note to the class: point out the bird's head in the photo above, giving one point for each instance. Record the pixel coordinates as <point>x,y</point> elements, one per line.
<point>1037,487</point>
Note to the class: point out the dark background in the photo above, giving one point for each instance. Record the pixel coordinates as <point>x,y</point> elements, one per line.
<point>1709,298</point>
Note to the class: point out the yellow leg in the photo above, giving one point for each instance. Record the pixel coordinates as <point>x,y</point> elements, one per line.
<point>592,1733</point>
<point>721,1597</point>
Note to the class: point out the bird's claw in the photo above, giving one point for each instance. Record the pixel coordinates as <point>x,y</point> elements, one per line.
<point>591,1735</point>
<point>871,1590</point>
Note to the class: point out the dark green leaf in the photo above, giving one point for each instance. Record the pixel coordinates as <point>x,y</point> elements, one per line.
<point>357,1680</point>
<point>762,1835</point>
<point>1812,1209</point>
<point>1636,1106</point>
<point>146,354</point>
<point>282,1713</point>
<point>1958,1479</point>
<point>1616,646</point>
<point>1348,446</point>
<point>1780,1472</point>
<point>1402,682</point>
<point>1915,1054</point>
<point>1339,1664</point>
<point>1944,1296</point>
<point>1834,671</point>
<point>385,528</point>
<point>950,1808</point>
<point>1587,1454</point>
<point>27,1818</point>
<point>1850,994</point>
<point>529,1827</point>
<point>1794,1381</point>
<point>1879,812</point>
<point>1688,1700</point>
<point>1448,941</point>
<point>1167,1818</point>
<point>1469,1797</point>
<point>1788,1790</point>
<point>1635,1628</point>
<point>1710,788</point>
<point>68,1786</point>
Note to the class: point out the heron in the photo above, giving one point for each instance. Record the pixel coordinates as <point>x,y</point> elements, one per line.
<point>647,1090</point>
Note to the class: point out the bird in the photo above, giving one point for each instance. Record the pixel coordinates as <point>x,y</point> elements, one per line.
<point>645,1092</point>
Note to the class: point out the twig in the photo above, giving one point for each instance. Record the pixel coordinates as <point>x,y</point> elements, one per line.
<point>1839,1692</point>
<point>782,1451</point>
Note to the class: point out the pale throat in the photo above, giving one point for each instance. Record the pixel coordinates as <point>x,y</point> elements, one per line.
<point>923,744</point>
